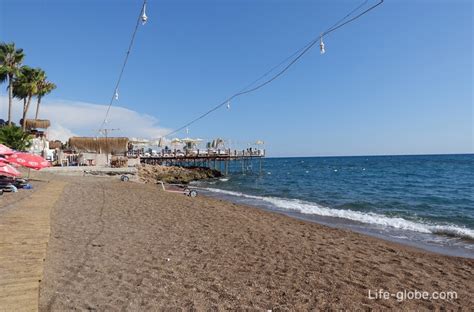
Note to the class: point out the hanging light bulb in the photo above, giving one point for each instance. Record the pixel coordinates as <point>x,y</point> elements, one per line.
<point>144,17</point>
<point>321,45</point>
<point>187,130</point>
<point>116,94</point>
<point>228,104</point>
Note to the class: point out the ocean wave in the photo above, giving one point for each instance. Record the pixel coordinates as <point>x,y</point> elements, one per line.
<point>363,217</point>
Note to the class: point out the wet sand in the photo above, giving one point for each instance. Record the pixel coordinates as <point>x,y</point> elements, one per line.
<point>129,246</point>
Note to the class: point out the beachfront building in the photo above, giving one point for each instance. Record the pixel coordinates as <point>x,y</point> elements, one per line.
<point>184,147</point>
<point>92,151</point>
<point>38,129</point>
<point>195,153</point>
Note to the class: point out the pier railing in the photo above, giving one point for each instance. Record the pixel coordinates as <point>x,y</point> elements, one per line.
<point>216,159</point>
<point>200,153</point>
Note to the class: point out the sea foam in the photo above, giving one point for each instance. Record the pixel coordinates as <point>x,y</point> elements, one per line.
<point>363,217</point>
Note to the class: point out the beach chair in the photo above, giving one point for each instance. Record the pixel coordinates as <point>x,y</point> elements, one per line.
<point>178,188</point>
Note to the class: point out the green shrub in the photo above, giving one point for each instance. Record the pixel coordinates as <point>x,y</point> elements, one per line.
<point>15,138</point>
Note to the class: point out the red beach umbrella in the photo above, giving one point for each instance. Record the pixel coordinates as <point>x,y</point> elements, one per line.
<point>8,170</point>
<point>4,161</point>
<point>28,160</point>
<point>5,150</point>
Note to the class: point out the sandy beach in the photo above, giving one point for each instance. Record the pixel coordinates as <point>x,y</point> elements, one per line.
<point>236,156</point>
<point>9,199</point>
<point>129,246</point>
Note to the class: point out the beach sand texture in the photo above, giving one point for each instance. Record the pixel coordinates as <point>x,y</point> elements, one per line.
<point>129,246</point>
<point>24,235</point>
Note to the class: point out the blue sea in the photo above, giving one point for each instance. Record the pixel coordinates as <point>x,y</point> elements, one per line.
<point>423,201</point>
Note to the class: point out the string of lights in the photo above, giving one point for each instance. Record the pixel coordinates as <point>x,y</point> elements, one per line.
<point>295,57</point>
<point>253,86</point>
<point>142,18</point>
<point>296,52</point>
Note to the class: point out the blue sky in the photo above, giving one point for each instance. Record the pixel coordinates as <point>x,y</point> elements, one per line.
<point>397,81</point>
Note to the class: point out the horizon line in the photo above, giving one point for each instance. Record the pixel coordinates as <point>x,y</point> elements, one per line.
<point>375,155</point>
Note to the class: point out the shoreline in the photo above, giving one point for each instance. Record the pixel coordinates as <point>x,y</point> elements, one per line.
<point>357,227</point>
<point>148,174</point>
<point>115,245</point>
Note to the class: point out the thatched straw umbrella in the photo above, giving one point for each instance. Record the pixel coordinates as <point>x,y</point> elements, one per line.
<point>55,144</point>
<point>37,123</point>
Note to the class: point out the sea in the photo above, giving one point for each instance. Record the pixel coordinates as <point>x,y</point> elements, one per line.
<point>425,201</point>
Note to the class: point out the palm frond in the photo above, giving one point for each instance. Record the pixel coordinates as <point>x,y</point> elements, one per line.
<point>15,138</point>
<point>27,82</point>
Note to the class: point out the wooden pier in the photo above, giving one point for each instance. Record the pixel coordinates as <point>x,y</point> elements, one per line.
<point>219,160</point>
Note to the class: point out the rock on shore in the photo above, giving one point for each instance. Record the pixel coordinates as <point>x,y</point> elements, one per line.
<point>154,173</point>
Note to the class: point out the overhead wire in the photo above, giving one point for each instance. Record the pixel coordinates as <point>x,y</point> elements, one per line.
<point>295,57</point>
<point>124,64</point>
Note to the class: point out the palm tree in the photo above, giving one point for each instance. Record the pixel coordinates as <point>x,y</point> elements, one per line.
<point>10,61</point>
<point>14,137</point>
<point>26,85</point>
<point>44,87</point>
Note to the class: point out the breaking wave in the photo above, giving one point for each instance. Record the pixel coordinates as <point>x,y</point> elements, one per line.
<point>363,217</point>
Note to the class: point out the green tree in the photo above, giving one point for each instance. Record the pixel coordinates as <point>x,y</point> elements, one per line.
<point>10,62</point>
<point>44,87</point>
<point>26,86</point>
<point>14,137</point>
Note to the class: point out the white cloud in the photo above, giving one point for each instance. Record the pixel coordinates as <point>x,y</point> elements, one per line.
<point>70,118</point>
<point>58,132</point>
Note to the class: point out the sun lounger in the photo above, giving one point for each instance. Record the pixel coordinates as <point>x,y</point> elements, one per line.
<point>6,182</point>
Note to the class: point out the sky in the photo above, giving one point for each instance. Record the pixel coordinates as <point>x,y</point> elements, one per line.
<point>399,80</point>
